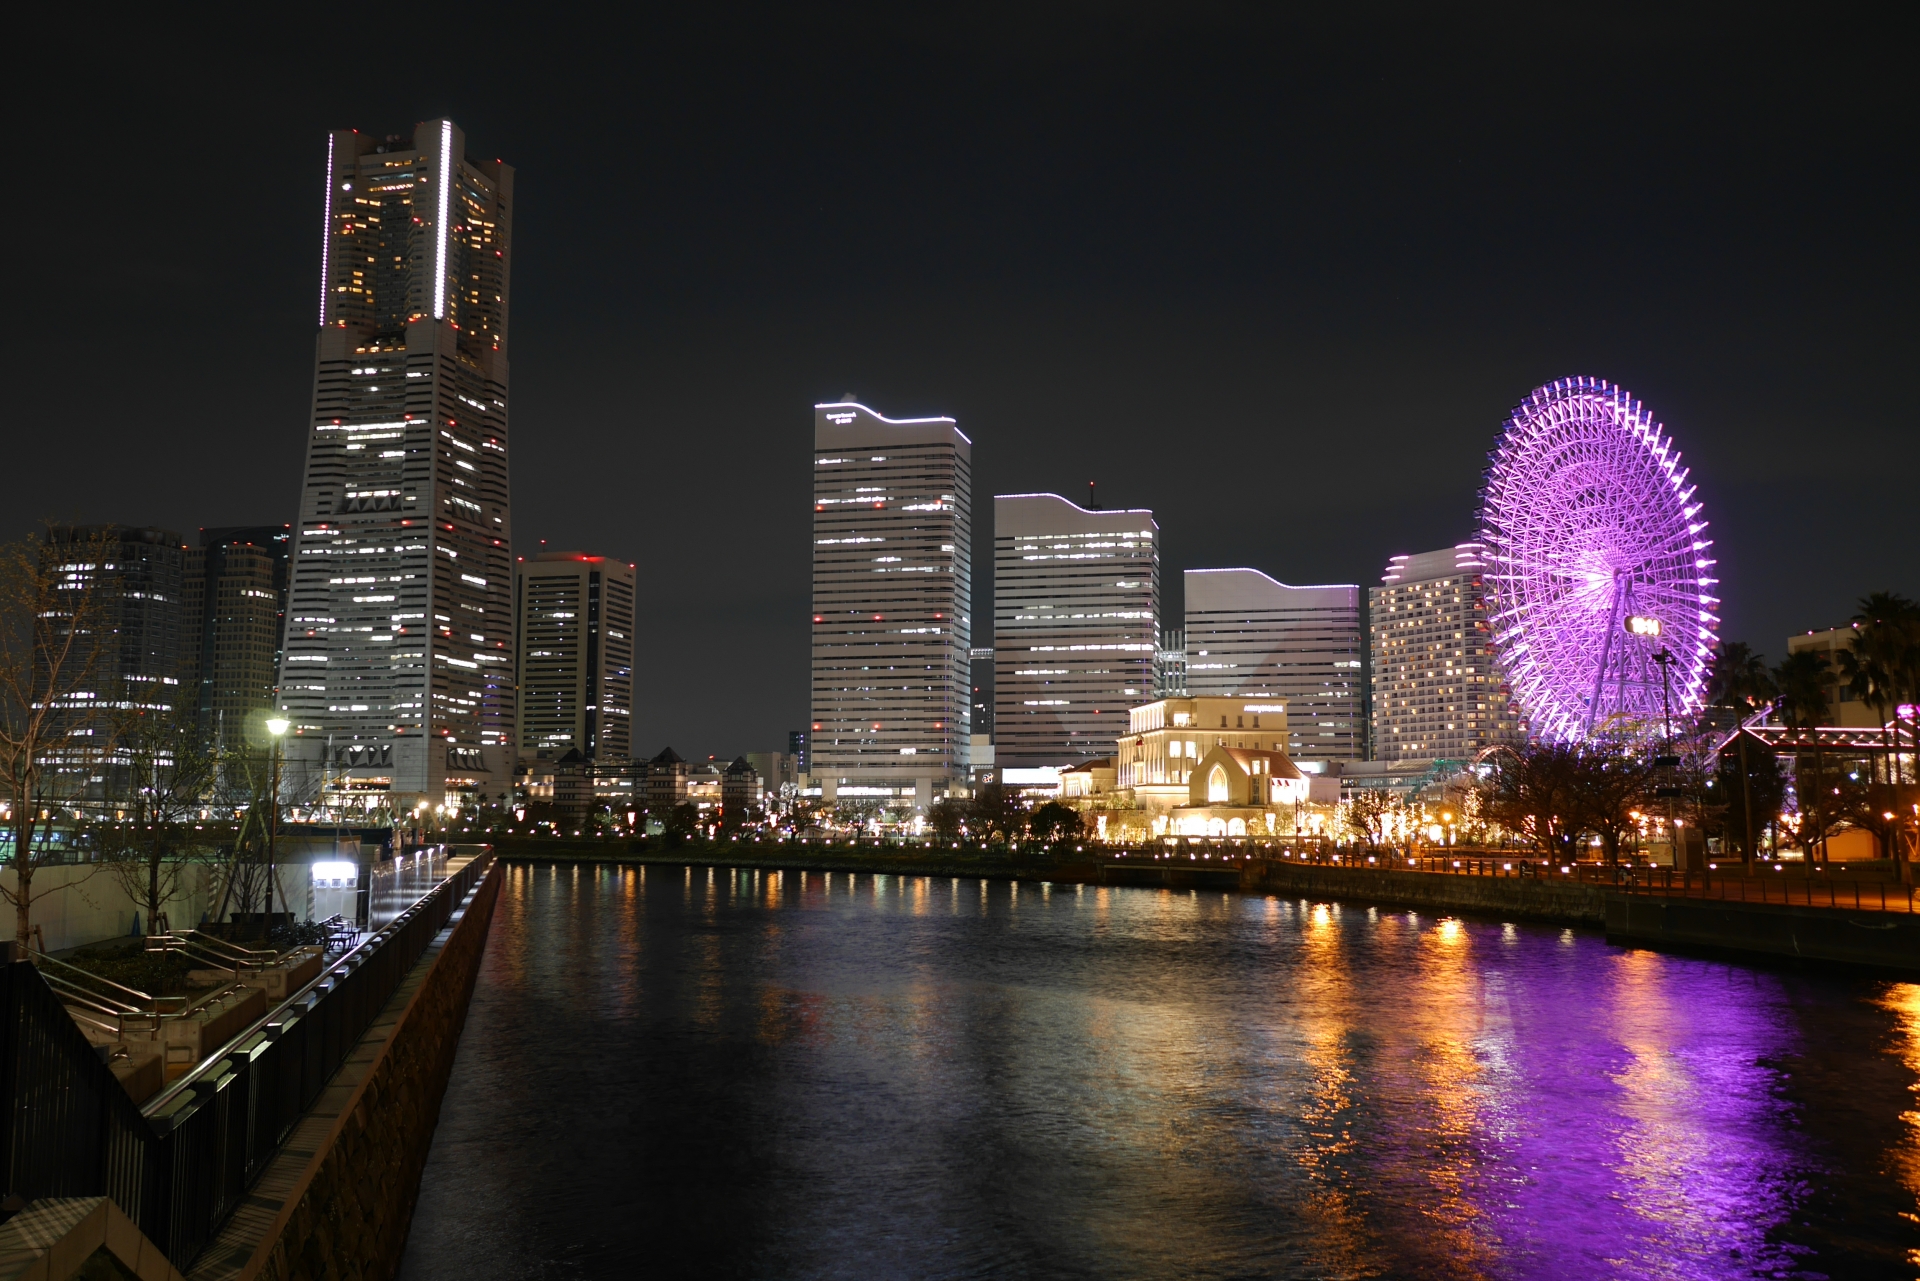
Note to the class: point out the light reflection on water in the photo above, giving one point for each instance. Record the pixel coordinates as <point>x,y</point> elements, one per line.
<point>784,1074</point>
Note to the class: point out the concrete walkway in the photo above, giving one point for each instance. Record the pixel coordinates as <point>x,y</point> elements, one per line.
<point>229,1253</point>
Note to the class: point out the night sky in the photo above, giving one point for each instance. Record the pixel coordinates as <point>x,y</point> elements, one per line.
<point>1278,278</point>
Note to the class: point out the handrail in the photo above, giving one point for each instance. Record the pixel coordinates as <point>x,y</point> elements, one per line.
<point>181,1166</point>
<point>221,954</point>
<point>41,958</point>
<point>214,943</point>
<point>347,961</point>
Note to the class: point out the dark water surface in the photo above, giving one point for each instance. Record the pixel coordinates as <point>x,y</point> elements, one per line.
<point>687,1072</point>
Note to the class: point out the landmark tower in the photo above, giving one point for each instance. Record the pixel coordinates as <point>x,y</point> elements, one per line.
<point>398,664</point>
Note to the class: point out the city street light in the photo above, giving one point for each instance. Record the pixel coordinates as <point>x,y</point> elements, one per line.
<point>277,727</point>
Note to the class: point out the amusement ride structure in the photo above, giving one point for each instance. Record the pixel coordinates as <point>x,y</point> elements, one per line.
<point>1598,565</point>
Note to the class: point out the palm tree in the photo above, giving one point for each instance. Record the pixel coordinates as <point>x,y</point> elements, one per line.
<point>1738,679</point>
<point>1802,681</point>
<point>1882,668</point>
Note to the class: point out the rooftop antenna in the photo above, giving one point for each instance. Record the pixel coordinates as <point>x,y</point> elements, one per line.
<point>1092,506</point>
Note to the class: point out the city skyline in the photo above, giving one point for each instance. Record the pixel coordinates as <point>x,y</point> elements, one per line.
<point>1152,229</point>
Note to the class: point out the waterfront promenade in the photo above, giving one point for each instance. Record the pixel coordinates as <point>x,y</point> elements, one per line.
<point>1856,914</point>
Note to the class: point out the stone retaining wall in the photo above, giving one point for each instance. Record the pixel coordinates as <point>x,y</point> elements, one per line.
<point>1889,940</point>
<point>1527,897</point>
<point>350,1215</point>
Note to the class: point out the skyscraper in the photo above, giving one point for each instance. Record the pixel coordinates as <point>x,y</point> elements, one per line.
<point>1076,607</point>
<point>136,576</point>
<point>892,592</point>
<point>1436,691</point>
<point>234,612</point>
<point>575,650</point>
<point>1250,634</point>
<point>138,587</point>
<point>398,662</point>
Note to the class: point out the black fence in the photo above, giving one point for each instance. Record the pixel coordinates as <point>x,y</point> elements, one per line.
<point>179,1164</point>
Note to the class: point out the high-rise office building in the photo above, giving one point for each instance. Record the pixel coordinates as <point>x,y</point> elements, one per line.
<point>136,584</point>
<point>1076,606</point>
<point>1436,691</point>
<point>575,654</point>
<point>1249,634</point>
<point>892,602</point>
<point>234,612</point>
<point>797,740</point>
<point>137,577</point>
<point>398,664</point>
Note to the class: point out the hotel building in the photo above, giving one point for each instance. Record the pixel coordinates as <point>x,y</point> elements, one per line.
<point>1076,606</point>
<point>892,593</point>
<point>399,657</point>
<point>1250,635</point>
<point>1436,692</point>
<point>575,617</point>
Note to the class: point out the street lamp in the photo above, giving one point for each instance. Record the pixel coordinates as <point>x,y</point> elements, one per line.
<point>277,727</point>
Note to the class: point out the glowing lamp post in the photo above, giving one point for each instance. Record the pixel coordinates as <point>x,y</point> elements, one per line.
<point>277,727</point>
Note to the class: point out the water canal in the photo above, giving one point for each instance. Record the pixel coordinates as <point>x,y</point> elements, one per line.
<point>688,1072</point>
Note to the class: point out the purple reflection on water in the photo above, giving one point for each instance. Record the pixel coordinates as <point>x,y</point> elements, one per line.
<point>737,1075</point>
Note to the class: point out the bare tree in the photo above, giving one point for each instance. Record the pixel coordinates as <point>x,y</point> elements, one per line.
<point>1609,784</point>
<point>165,766</point>
<point>55,626</point>
<point>1530,793</point>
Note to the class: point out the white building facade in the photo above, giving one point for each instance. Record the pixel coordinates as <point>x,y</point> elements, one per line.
<point>1076,607</point>
<point>1248,634</point>
<point>398,665</point>
<point>1436,691</point>
<point>892,597</point>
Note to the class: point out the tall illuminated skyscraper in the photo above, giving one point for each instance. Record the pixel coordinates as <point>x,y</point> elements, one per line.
<point>398,663</point>
<point>575,649</point>
<point>1249,634</point>
<point>892,598</point>
<point>1436,689</point>
<point>1076,607</point>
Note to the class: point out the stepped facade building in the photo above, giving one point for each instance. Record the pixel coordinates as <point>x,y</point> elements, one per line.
<point>398,664</point>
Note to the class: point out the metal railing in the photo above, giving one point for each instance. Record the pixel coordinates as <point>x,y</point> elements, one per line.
<point>178,1164</point>
<point>1808,885</point>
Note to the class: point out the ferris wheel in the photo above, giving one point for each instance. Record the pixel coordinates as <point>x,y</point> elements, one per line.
<point>1598,565</point>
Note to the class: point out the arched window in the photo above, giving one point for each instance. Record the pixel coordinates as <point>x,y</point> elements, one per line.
<point>1216,786</point>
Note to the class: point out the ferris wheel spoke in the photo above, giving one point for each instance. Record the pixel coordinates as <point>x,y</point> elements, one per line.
<point>1585,491</point>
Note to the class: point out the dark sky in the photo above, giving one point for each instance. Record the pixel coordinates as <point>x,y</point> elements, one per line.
<point>1277,277</point>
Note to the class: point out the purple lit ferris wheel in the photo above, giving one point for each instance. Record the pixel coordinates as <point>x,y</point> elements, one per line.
<point>1597,564</point>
